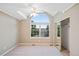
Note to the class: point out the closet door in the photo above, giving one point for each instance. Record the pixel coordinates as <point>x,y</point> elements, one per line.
<point>65,33</point>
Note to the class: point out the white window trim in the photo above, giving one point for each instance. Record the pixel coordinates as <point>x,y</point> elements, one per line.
<point>40,37</point>
<point>40,24</point>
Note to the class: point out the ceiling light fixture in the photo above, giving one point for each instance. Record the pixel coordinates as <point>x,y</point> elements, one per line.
<point>34,11</point>
<point>34,14</point>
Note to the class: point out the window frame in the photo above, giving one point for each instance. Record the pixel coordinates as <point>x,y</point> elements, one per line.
<point>41,24</point>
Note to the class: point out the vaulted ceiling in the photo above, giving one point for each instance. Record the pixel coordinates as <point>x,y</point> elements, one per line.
<point>22,10</point>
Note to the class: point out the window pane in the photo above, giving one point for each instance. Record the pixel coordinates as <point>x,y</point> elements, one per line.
<point>40,25</point>
<point>40,18</point>
<point>44,30</point>
<point>34,30</point>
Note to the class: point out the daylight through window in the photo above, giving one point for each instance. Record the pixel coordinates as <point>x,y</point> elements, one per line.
<point>40,25</point>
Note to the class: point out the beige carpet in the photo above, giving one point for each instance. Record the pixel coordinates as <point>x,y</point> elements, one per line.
<point>34,51</point>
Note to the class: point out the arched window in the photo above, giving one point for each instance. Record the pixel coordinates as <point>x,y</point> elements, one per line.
<point>40,25</point>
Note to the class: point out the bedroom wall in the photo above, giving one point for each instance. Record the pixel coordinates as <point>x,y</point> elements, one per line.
<point>25,34</point>
<point>73,13</point>
<point>58,17</point>
<point>8,32</point>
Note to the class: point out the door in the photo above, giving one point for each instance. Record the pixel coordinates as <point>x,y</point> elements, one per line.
<point>65,33</point>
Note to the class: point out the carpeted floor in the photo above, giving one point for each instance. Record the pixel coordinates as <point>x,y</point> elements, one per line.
<point>34,51</point>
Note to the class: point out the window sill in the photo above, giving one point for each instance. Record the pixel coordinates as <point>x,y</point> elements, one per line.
<point>39,37</point>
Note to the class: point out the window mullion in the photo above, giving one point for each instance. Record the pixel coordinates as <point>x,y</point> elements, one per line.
<point>39,30</point>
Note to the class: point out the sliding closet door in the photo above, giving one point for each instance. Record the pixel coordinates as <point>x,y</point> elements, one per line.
<point>65,33</point>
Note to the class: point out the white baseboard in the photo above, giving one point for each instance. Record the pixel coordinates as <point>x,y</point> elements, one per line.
<point>8,50</point>
<point>35,44</point>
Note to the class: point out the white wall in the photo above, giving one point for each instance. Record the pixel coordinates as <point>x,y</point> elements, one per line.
<point>73,13</point>
<point>8,32</point>
<point>25,33</point>
<point>57,17</point>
